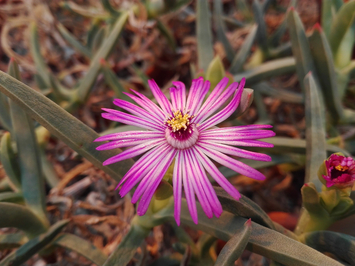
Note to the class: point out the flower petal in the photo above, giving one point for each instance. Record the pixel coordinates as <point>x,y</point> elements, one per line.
<point>137,150</point>
<point>244,143</point>
<point>202,94</point>
<point>141,169</point>
<point>194,177</point>
<point>239,135</point>
<point>213,97</point>
<point>147,104</point>
<point>134,109</point>
<point>189,190</point>
<point>160,97</point>
<point>207,186</point>
<point>121,117</point>
<point>123,143</point>
<point>229,162</point>
<point>152,170</point>
<point>227,111</point>
<point>237,128</point>
<point>131,135</point>
<point>180,95</point>
<point>236,151</point>
<point>177,187</point>
<point>154,183</point>
<point>216,174</point>
<point>200,117</point>
<point>144,159</point>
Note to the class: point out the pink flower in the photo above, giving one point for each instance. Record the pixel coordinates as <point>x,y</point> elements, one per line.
<point>184,130</point>
<point>340,171</point>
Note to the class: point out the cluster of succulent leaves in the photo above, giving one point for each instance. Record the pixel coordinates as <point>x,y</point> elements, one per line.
<point>324,68</point>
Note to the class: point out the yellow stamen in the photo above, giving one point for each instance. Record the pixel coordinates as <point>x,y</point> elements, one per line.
<point>341,168</point>
<point>179,121</point>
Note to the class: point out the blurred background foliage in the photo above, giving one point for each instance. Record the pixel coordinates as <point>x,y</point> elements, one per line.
<point>58,205</point>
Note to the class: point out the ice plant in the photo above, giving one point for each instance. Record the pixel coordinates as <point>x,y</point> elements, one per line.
<point>340,171</point>
<point>184,130</point>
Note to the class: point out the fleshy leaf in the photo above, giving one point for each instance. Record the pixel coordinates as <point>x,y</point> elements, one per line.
<point>60,123</point>
<point>204,35</point>
<point>315,132</point>
<point>81,246</point>
<point>235,246</point>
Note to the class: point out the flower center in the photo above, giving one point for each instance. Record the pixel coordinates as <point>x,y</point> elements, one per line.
<point>179,132</point>
<point>341,168</point>
<point>179,121</point>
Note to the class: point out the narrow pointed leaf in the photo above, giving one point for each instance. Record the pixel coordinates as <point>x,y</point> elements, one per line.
<point>113,81</point>
<point>285,96</point>
<point>5,120</point>
<point>60,123</point>
<point>9,161</point>
<point>244,208</point>
<point>32,182</point>
<point>11,197</point>
<point>215,72</point>
<point>107,45</point>
<point>128,246</point>
<point>34,245</point>
<point>235,246</point>
<point>109,8</point>
<point>81,246</point>
<point>167,33</point>
<point>94,29</point>
<point>275,38</point>
<point>221,29</point>
<point>242,55</point>
<point>204,35</point>
<point>261,34</point>
<point>267,70</point>
<point>263,241</point>
<point>315,132</point>
<point>10,241</point>
<point>300,46</point>
<point>340,245</point>
<point>81,49</point>
<point>341,26</point>
<point>20,217</point>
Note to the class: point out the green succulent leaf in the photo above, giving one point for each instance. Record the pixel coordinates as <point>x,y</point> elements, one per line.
<point>109,8</point>
<point>300,46</point>
<point>341,37</point>
<point>261,34</point>
<point>285,96</point>
<point>103,52</point>
<point>215,72</point>
<point>128,246</point>
<point>81,246</point>
<point>94,29</point>
<point>280,31</point>
<point>34,245</point>
<point>10,241</point>
<point>244,208</point>
<point>267,70</point>
<point>32,182</point>
<point>235,246</point>
<point>21,217</point>
<point>323,60</point>
<point>220,29</point>
<point>242,55</point>
<point>60,123</point>
<point>204,35</point>
<point>281,249</point>
<point>341,246</point>
<point>81,49</point>
<point>315,132</point>
<point>5,119</point>
<point>12,197</point>
<point>9,161</point>
<point>167,33</point>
